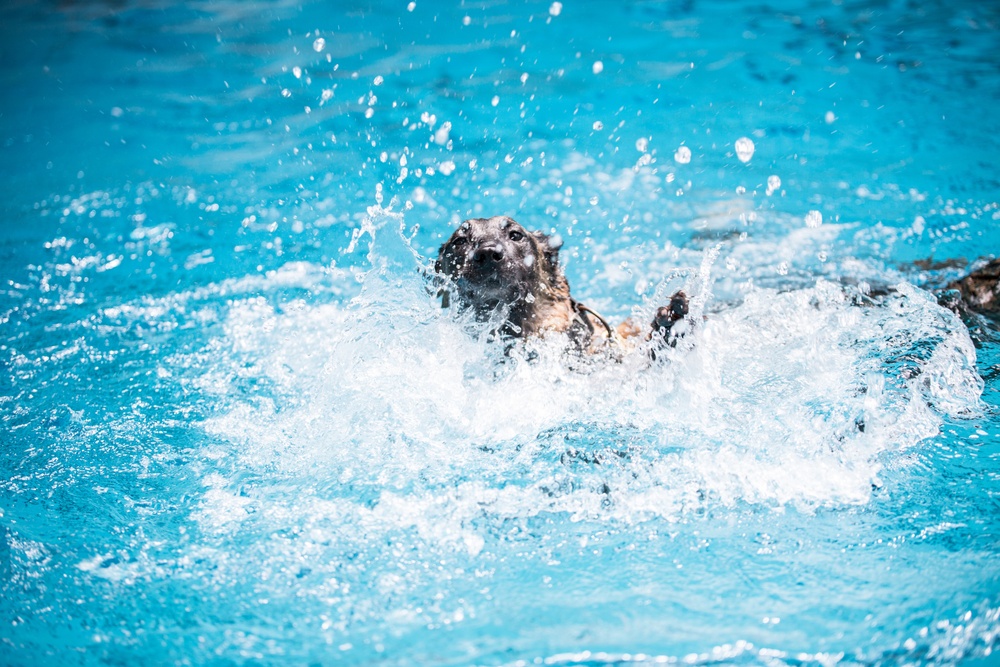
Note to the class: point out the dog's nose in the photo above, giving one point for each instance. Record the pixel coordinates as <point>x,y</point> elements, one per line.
<point>485,254</point>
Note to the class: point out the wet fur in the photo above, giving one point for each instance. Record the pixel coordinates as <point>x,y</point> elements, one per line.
<point>980,290</point>
<point>498,269</point>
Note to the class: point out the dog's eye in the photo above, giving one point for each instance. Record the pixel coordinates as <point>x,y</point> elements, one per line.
<point>516,236</point>
<point>460,241</point>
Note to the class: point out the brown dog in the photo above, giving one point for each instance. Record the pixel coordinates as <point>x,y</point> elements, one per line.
<point>498,269</point>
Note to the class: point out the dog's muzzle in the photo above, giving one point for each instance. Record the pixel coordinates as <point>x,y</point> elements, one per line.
<point>486,263</point>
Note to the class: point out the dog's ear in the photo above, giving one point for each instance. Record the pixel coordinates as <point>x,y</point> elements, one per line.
<point>550,246</point>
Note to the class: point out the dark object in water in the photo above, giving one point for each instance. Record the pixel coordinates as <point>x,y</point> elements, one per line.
<point>979,291</point>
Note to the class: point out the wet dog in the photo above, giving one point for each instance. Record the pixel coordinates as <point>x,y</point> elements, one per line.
<point>508,275</point>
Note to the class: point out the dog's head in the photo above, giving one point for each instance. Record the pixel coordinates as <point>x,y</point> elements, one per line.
<point>495,261</point>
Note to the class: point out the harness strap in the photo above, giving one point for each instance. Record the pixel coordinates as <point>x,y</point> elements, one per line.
<point>582,311</point>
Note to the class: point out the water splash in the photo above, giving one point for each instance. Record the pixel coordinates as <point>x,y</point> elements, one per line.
<point>790,399</point>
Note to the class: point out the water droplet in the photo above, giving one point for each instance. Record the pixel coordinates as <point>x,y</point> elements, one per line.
<point>446,167</point>
<point>642,144</point>
<point>814,219</point>
<point>598,125</point>
<point>369,112</point>
<point>682,155</point>
<point>594,200</point>
<point>410,7</point>
<point>555,8</point>
<point>297,71</point>
<point>773,183</point>
<point>285,92</point>
<point>378,193</point>
<point>829,117</point>
<point>598,67</point>
<point>744,149</point>
<point>441,134</point>
<point>466,20</point>
<point>319,44</point>
<point>524,78</point>
<point>378,80</point>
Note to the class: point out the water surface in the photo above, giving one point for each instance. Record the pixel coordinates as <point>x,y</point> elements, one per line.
<point>239,429</point>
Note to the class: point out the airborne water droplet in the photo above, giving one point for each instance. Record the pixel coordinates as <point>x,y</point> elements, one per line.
<point>682,155</point>
<point>773,183</point>
<point>744,149</point>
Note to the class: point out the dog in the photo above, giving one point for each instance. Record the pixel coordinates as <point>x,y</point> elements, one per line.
<point>510,276</point>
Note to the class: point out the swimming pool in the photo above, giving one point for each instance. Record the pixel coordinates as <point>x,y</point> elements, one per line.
<point>238,429</point>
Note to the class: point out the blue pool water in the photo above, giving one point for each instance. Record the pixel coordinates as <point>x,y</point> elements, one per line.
<point>237,429</point>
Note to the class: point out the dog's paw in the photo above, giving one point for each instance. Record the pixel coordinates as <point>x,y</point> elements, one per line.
<point>663,333</point>
<point>667,316</point>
